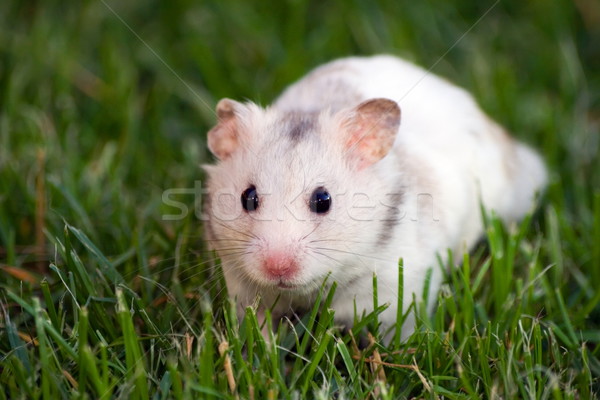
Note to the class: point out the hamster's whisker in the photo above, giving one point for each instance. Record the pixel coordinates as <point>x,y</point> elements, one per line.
<point>212,283</point>
<point>240,267</point>
<point>326,255</point>
<point>153,264</point>
<point>233,254</point>
<point>204,265</point>
<point>215,272</point>
<point>223,249</point>
<point>216,268</point>
<point>227,240</point>
<point>310,233</point>
<point>188,265</point>
<point>335,240</point>
<point>250,235</point>
<point>349,252</point>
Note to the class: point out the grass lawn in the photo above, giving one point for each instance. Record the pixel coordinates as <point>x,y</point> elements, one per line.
<point>104,105</point>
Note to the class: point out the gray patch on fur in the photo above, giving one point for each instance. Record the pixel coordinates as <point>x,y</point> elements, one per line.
<point>392,218</point>
<point>299,125</point>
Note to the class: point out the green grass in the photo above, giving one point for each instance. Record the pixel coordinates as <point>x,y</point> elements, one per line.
<point>102,298</point>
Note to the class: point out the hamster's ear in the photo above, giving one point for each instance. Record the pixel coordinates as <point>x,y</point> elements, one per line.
<point>223,139</point>
<point>369,130</point>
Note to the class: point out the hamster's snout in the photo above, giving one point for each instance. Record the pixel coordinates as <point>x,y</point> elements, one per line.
<point>280,267</point>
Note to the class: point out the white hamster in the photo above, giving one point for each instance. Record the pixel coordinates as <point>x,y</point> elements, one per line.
<point>362,162</point>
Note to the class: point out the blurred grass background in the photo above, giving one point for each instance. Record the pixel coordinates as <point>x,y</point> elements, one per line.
<point>117,125</point>
<point>105,104</point>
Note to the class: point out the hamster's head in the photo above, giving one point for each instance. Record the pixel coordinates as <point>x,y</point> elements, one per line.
<point>295,196</point>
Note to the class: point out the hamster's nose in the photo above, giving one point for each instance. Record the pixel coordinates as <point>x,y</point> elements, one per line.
<point>280,266</point>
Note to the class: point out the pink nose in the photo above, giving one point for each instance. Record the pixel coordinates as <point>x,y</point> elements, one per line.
<point>280,266</point>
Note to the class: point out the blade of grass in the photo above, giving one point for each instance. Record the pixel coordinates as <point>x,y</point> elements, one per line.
<point>316,359</point>
<point>134,361</point>
<point>400,304</point>
<point>44,351</point>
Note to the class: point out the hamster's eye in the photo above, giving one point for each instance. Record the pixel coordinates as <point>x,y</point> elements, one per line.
<point>320,201</point>
<point>250,199</point>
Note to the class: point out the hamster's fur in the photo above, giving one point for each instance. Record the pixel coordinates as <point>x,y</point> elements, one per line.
<point>406,159</point>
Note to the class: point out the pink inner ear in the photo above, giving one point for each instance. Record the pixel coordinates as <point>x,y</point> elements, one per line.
<point>222,139</point>
<point>371,130</point>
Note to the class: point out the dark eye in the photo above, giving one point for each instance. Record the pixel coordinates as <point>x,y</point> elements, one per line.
<point>320,201</point>
<point>250,199</point>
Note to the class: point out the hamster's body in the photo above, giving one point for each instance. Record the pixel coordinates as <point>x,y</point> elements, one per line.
<point>410,192</point>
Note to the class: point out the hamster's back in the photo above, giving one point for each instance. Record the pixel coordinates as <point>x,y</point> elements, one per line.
<point>438,118</point>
